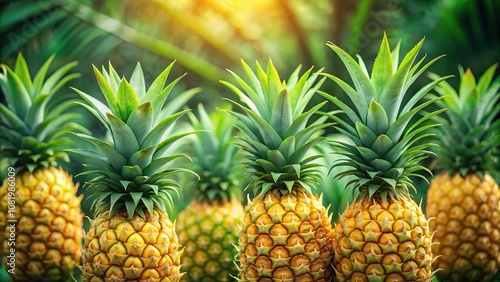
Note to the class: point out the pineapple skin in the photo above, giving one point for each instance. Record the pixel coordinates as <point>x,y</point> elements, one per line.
<point>208,232</point>
<point>120,249</point>
<point>383,241</point>
<point>286,238</point>
<point>49,225</point>
<point>467,224</point>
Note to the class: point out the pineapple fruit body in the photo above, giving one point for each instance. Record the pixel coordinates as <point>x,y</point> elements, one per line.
<point>48,228</point>
<point>467,223</point>
<point>286,238</point>
<point>209,231</point>
<point>120,249</point>
<point>379,240</point>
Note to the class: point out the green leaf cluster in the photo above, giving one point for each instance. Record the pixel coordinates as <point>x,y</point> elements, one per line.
<point>469,140</point>
<point>387,137</point>
<point>216,158</point>
<point>276,132</point>
<point>132,172</point>
<point>34,123</point>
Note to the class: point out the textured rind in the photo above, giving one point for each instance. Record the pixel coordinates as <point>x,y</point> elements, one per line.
<point>120,249</point>
<point>209,231</point>
<point>49,225</point>
<point>467,224</point>
<point>286,238</point>
<point>383,241</point>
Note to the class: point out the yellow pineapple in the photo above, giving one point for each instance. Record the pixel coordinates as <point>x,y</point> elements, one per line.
<point>286,232</point>
<point>208,226</point>
<point>383,235</point>
<point>40,217</point>
<point>463,198</point>
<point>131,237</point>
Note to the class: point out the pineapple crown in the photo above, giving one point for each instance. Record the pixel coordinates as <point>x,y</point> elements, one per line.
<point>469,140</point>
<point>131,171</point>
<point>274,123</point>
<point>383,152</point>
<point>35,121</point>
<point>216,158</point>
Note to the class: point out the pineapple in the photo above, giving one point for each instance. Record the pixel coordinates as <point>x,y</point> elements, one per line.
<point>131,237</point>
<point>464,198</point>
<point>286,234</point>
<point>208,226</point>
<point>40,217</point>
<point>383,235</point>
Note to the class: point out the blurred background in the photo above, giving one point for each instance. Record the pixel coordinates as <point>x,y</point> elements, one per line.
<point>206,37</point>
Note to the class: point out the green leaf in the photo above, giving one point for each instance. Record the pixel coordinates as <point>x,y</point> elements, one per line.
<point>40,76</point>
<point>382,145</point>
<point>300,122</point>
<point>421,93</point>
<point>361,82</point>
<point>393,93</point>
<point>486,78</point>
<point>377,119</point>
<point>165,144</point>
<point>395,56</point>
<point>297,92</point>
<point>136,197</point>
<point>359,101</point>
<point>143,157</point>
<point>148,203</point>
<point>156,134</point>
<point>367,154</point>
<point>381,165</point>
<point>353,116</point>
<point>281,117</point>
<point>141,121</point>
<point>113,199</point>
<point>266,165</point>
<point>157,85</point>
<point>114,78</point>
<point>382,68</point>
<point>267,132</point>
<point>106,90</point>
<point>130,172</point>
<point>22,70</point>
<point>137,82</point>
<point>13,121</point>
<point>19,99</point>
<point>274,87</point>
<point>366,135</point>
<point>161,97</point>
<point>130,206</point>
<point>287,147</point>
<point>57,79</point>
<point>122,136</point>
<point>126,99</point>
<point>114,157</point>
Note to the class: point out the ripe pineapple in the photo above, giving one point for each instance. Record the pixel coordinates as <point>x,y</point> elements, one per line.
<point>131,237</point>
<point>38,195</point>
<point>463,198</point>
<point>383,235</point>
<point>208,226</point>
<point>286,233</point>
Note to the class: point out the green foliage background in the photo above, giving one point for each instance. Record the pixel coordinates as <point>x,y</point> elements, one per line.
<point>206,37</point>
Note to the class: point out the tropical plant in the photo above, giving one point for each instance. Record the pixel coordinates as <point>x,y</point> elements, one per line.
<point>286,233</point>
<point>464,198</point>
<point>383,235</point>
<point>208,226</point>
<point>131,236</point>
<point>40,217</point>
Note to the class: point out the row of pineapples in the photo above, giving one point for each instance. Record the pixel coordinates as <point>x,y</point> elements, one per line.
<point>284,232</point>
